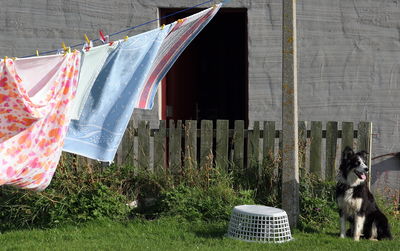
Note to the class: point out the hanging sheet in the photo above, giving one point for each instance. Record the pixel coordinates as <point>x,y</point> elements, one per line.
<point>35,94</point>
<point>174,44</point>
<point>91,63</point>
<point>129,80</point>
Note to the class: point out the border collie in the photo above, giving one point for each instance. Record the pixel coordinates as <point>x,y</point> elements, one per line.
<point>355,201</point>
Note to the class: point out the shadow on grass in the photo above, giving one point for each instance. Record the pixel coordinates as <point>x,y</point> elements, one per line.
<point>218,231</point>
<point>211,231</point>
<point>311,229</point>
<point>328,232</point>
<point>332,234</point>
<point>308,229</point>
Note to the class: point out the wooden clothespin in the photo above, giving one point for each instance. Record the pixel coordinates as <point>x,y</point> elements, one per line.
<point>37,53</point>
<point>88,44</point>
<point>86,38</point>
<point>126,38</point>
<point>65,48</point>
<point>162,27</point>
<point>180,20</point>
<point>5,59</point>
<point>103,38</point>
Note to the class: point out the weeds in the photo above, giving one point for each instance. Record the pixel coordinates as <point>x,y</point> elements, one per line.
<point>211,198</point>
<point>74,196</point>
<point>318,209</point>
<point>83,193</point>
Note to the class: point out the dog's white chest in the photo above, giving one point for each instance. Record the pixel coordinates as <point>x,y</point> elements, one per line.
<point>348,204</point>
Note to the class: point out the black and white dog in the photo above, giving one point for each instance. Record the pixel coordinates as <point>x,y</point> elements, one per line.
<point>356,203</point>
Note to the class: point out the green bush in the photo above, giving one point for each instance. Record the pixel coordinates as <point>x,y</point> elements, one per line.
<point>73,197</point>
<point>26,209</point>
<point>85,193</point>
<point>211,204</point>
<point>197,194</point>
<point>318,208</point>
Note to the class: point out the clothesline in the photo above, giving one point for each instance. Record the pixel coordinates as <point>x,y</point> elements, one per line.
<point>131,28</point>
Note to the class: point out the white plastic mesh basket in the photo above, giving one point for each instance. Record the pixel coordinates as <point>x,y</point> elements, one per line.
<point>259,224</point>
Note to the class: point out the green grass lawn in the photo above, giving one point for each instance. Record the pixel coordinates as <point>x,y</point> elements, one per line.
<point>171,234</point>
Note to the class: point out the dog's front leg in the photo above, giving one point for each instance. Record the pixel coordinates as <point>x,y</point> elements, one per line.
<point>342,224</point>
<point>358,226</point>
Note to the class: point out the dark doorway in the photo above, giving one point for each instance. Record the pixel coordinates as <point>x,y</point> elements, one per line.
<point>210,78</point>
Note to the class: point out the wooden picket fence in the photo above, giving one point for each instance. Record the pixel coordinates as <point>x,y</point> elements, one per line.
<point>184,144</point>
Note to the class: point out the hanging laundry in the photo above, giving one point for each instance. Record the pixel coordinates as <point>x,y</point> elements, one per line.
<point>183,32</point>
<point>91,63</point>
<point>34,97</point>
<point>33,84</point>
<point>129,80</point>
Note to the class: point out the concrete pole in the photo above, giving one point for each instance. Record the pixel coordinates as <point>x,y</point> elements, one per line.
<point>290,167</point>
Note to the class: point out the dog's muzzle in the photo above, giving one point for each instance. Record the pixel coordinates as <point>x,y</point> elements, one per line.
<point>362,174</point>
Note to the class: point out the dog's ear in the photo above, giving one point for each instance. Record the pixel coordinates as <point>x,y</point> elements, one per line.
<point>363,154</point>
<point>347,153</point>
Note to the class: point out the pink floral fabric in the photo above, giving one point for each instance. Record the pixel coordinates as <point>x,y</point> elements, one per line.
<point>35,95</point>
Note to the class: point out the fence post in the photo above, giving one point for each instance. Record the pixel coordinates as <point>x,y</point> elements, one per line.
<point>190,143</point>
<point>206,140</point>
<point>222,140</point>
<point>175,151</point>
<point>127,151</point>
<point>347,135</point>
<point>238,145</point>
<point>302,145</point>
<point>269,154</point>
<point>331,150</point>
<point>253,170</point>
<point>253,145</point>
<point>268,142</point>
<point>315,148</point>
<point>144,145</point>
<point>160,147</point>
<point>290,163</point>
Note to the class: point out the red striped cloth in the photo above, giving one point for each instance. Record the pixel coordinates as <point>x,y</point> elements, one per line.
<point>180,36</point>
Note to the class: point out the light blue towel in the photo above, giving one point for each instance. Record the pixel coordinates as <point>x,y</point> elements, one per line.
<point>112,99</point>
